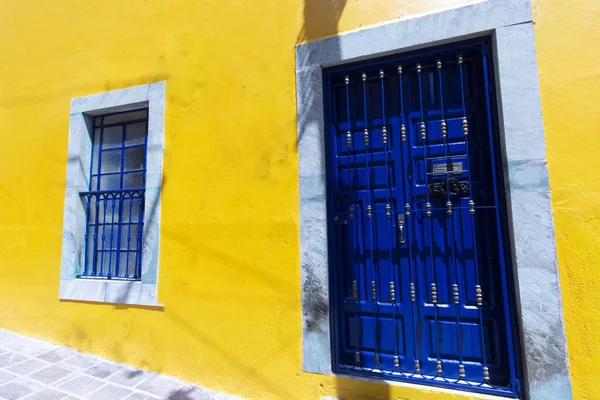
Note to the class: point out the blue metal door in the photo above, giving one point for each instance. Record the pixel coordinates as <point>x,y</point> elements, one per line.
<point>419,266</point>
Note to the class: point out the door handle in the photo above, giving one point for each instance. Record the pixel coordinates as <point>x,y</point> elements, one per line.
<point>401,227</point>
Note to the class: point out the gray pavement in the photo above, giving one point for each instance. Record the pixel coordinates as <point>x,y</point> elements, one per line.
<point>36,370</point>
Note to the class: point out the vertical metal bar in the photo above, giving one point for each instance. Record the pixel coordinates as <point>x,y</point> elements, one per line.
<point>356,284</point>
<point>475,254</point>
<point>95,250</point>
<point>389,224</point>
<point>408,200</point>
<point>121,197</point>
<point>145,149</point>
<point>103,237</point>
<point>99,170</point>
<point>98,179</point>
<point>112,226</point>
<point>434,299</point>
<point>128,236</point>
<point>139,246</point>
<point>450,222</point>
<point>505,288</point>
<point>86,236</point>
<point>374,289</point>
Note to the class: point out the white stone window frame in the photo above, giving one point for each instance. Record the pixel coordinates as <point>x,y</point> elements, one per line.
<point>83,109</point>
<point>531,228</point>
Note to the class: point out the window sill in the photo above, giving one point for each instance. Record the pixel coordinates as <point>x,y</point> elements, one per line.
<point>109,291</point>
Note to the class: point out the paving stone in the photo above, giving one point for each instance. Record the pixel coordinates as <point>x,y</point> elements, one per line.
<point>57,354</point>
<point>30,347</point>
<point>10,358</point>
<point>130,376</point>
<point>6,337</point>
<point>160,386</point>
<point>47,394</point>
<point>81,385</point>
<point>27,367</point>
<point>137,396</point>
<point>50,374</point>
<point>5,377</point>
<point>81,361</point>
<point>109,392</point>
<point>14,390</point>
<point>102,370</point>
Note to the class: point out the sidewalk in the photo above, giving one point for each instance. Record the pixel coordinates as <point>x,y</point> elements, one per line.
<point>35,370</point>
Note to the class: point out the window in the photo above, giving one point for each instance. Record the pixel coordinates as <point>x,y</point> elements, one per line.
<point>420,270</point>
<point>115,200</point>
<point>111,226</point>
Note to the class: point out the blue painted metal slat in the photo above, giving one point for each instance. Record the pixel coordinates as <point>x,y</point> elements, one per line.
<point>419,272</point>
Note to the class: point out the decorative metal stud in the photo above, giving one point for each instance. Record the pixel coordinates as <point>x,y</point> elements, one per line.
<point>428,209</point>
<point>465,126</point>
<point>403,132</point>
<point>418,68</point>
<point>486,374</point>
<point>438,64</point>
<point>438,367</point>
<point>479,295</point>
<point>376,357</point>
<point>384,135</point>
<point>417,366</point>
<point>388,213</point>
<point>357,358</point>
<point>396,361</point>
<point>460,59</point>
<point>392,291</point>
<point>413,292</point>
<point>471,207</point>
<point>400,69</point>
<point>444,128</point>
<point>407,210</point>
<point>448,208</point>
<point>366,136</point>
<point>423,133</point>
<point>364,77</point>
<point>381,74</point>
<point>354,290</point>
<point>401,227</point>
<point>347,80</point>
<point>455,292</point>
<point>349,139</point>
<point>461,371</point>
<point>369,211</point>
<point>373,291</point>
<point>351,211</point>
<point>434,293</point>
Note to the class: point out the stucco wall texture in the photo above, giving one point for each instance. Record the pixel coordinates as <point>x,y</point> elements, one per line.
<point>229,264</point>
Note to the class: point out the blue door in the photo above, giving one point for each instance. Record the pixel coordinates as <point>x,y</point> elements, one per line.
<point>420,268</point>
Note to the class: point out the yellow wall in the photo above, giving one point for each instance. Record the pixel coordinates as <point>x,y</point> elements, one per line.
<point>229,258</point>
<point>567,34</point>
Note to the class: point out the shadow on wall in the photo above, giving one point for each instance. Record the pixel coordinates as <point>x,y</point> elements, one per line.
<point>321,18</point>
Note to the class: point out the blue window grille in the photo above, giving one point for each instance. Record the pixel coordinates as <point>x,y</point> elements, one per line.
<point>420,266</point>
<point>115,201</point>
